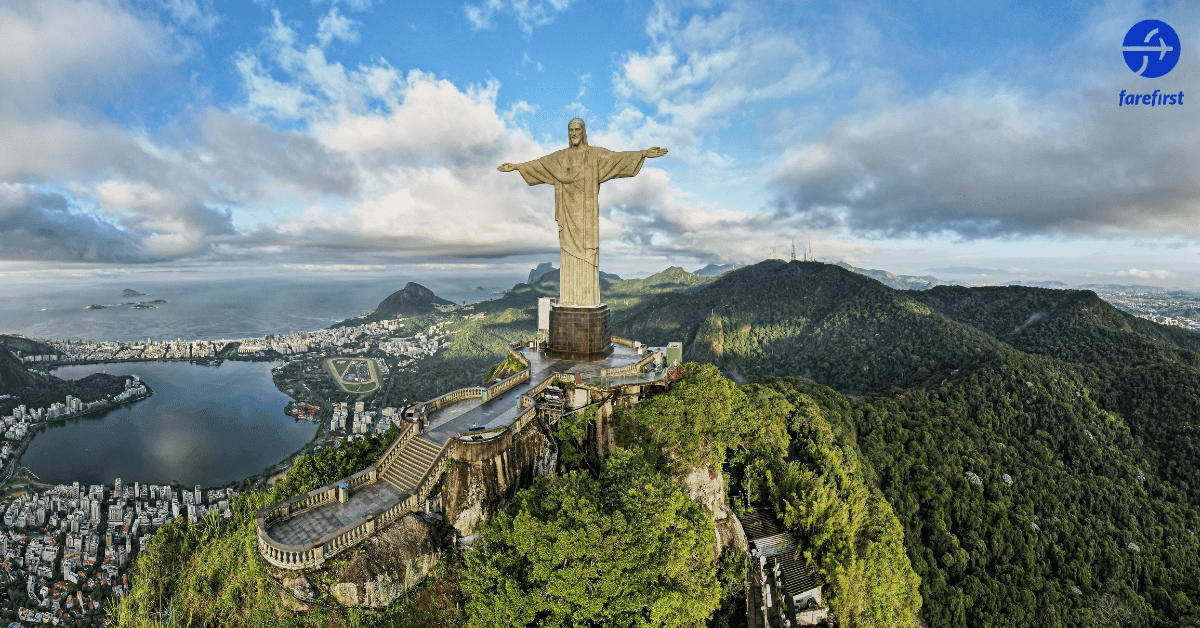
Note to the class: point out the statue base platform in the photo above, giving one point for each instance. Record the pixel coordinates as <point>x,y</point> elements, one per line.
<point>580,332</point>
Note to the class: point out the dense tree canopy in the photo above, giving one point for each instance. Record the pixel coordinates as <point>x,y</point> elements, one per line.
<point>702,419</point>
<point>624,549</point>
<point>842,526</point>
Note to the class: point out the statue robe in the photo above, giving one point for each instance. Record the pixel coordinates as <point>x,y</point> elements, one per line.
<point>576,174</point>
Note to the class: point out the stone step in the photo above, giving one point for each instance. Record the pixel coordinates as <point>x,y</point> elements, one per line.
<point>407,451</point>
<point>411,463</point>
<point>427,452</point>
<point>416,458</point>
<point>412,473</point>
<point>393,477</point>
<point>423,444</point>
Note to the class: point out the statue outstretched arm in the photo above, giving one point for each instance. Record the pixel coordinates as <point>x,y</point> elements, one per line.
<point>534,172</point>
<point>649,152</point>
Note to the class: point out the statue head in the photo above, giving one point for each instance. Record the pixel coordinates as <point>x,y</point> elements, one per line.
<point>577,132</point>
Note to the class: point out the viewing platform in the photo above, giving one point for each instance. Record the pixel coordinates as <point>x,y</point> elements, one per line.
<point>304,531</point>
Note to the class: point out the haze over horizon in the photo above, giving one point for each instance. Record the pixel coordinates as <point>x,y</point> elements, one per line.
<point>351,138</point>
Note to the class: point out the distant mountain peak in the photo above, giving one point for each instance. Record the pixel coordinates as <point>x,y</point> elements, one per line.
<point>552,274</point>
<point>411,300</point>
<point>538,272</point>
<point>713,270</point>
<point>899,282</point>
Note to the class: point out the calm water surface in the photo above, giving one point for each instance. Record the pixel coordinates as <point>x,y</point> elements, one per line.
<point>204,425</point>
<point>205,310</point>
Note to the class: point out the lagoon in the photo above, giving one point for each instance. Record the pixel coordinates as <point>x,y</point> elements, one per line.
<point>206,425</point>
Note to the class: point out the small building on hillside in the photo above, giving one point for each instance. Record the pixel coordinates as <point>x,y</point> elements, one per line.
<point>783,587</point>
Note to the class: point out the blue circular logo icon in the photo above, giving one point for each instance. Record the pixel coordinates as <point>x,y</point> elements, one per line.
<point>1151,48</point>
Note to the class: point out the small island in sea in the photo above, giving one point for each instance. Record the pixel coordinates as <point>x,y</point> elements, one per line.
<point>94,306</point>
<point>128,292</point>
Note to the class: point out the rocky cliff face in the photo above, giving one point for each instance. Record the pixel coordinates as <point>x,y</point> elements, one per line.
<point>483,478</point>
<point>389,564</point>
<point>706,487</point>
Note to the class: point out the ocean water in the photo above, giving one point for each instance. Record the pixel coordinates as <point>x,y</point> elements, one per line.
<point>210,309</point>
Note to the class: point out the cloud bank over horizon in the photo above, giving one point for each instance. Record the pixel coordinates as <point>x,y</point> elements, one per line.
<point>171,133</point>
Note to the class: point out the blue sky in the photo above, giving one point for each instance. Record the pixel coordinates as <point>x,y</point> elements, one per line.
<point>980,142</point>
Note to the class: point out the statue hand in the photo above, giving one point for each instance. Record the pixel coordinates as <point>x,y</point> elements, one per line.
<point>654,152</point>
<point>506,167</point>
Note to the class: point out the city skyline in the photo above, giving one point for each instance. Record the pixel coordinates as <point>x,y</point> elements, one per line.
<point>359,137</point>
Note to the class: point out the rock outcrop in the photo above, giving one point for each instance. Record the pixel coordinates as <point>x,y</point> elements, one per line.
<point>707,488</point>
<point>389,564</point>
<point>486,475</point>
<point>538,272</point>
<point>297,589</point>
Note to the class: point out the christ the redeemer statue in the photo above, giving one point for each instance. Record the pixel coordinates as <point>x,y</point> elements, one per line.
<point>576,173</point>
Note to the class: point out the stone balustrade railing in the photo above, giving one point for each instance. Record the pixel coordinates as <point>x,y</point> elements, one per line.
<point>632,369</point>
<point>512,350</point>
<point>432,475</point>
<point>508,383</point>
<point>310,555</point>
<point>532,393</point>
<point>314,554</point>
<point>525,418</point>
<point>623,342</point>
<point>456,396</point>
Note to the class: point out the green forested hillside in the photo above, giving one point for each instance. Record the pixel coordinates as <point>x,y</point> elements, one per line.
<point>411,300</point>
<point>811,320</point>
<point>1038,445</point>
<point>621,295</point>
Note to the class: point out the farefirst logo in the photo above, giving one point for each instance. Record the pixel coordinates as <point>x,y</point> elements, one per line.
<point>1151,50</point>
<point>1150,99</point>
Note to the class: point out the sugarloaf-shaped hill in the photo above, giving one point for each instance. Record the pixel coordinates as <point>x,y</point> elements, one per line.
<point>412,300</point>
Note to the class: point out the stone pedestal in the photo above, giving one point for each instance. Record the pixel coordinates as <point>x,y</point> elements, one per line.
<point>580,332</point>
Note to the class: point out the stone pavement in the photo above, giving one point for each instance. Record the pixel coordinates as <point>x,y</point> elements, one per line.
<point>458,418</point>
<point>326,519</point>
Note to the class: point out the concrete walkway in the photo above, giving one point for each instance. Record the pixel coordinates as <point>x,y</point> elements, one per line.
<point>444,424</point>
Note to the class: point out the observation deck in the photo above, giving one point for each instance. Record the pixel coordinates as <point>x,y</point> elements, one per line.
<point>302,532</point>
